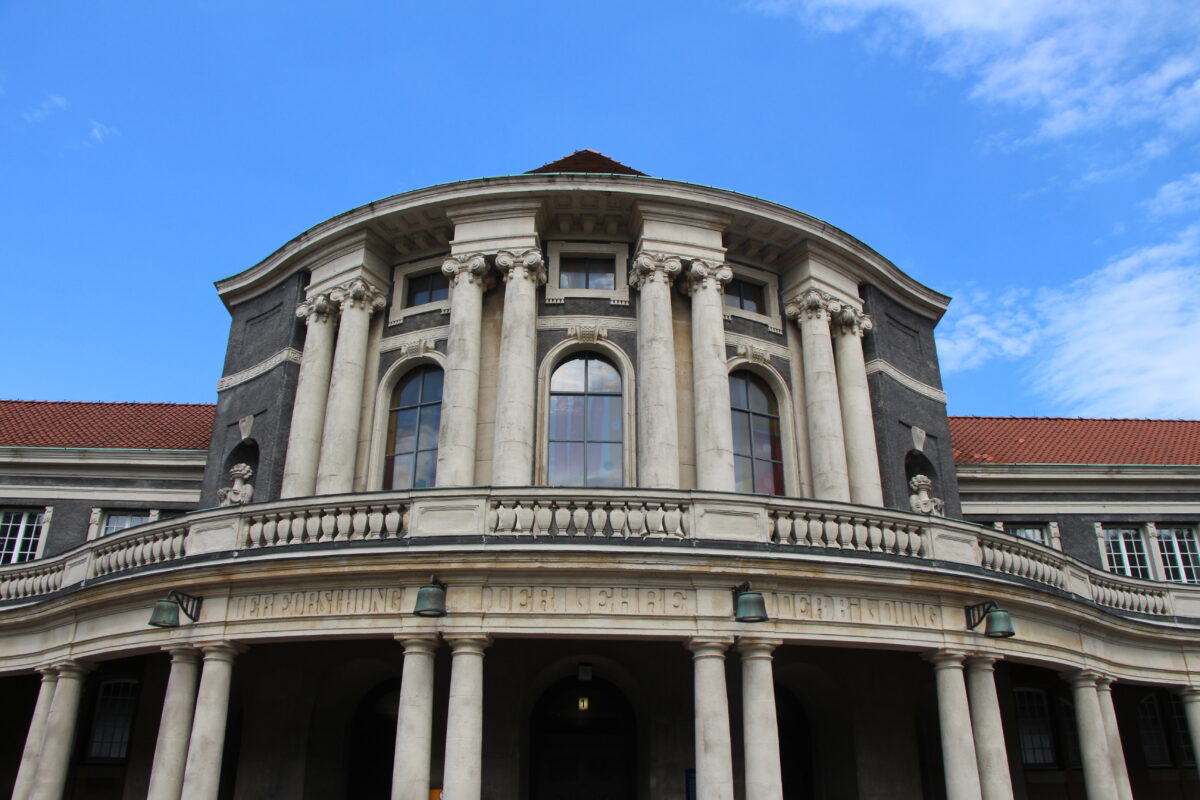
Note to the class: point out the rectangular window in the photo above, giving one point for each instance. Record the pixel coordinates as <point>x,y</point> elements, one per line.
<point>745,295</point>
<point>1153,734</point>
<point>1034,533</point>
<point>587,272</point>
<point>1033,727</point>
<point>113,720</point>
<point>20,532</point>
<point>1187,755</point>
<point>1180,556</point>
<point>428,288</point>
<point>1125,552</point>
<point>120,520</point>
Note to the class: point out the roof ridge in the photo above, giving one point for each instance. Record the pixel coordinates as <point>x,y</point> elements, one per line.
<point>109,403</point>
<point>1076,419</point>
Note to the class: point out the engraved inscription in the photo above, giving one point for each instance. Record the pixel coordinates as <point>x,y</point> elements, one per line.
<point>588,600</point>
<point>868,610</point>
<point>317,603</point>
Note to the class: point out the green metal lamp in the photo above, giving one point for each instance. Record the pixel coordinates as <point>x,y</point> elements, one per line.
<point>997,622</point>
<point>166,611</point>
<point>431,599</point>
<point>748,605</point>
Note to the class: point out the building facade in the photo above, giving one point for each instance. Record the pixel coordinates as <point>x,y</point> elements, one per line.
<point>607,413</point>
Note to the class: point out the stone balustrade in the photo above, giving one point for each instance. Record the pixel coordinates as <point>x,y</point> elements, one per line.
<point>801,528</point>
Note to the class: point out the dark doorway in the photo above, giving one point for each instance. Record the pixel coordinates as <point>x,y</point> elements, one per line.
<point>795,747</point>
<point>372,743</point>
<point>583,743</point>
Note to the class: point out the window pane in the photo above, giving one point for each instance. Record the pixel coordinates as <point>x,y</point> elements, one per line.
<point>431,390</point>
<point>568,376</point>
<point>602,377</point>
<point>1033,727</point>
<point>566,464</point>
<point>406,431</point>
<point>1181,560</point>
<point>1034,533</point>
<point>408,392</point>
<point>604,419</point>
<point>566,417</point>
<point>113,720</point>
<point>760,398</point>
<point>737,391</point>
<point>426,471</point>
<point>741,433</point>
<point>439,287</point>
<point>402,471</point>
<point>1126,552</point>
<point>764,476</point>
<point>119,521</point>
<point>743,474</point>
<point>761,432</point>
<point>1154,737</point>
<point>752,297</point>
<point>19,535</point>
<point>572,273</point>
<point>603,278</point>
<point>427,434</point>
<point>604,465</point>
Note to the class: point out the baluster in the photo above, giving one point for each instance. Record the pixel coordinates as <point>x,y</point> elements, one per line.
<point>358,524</point>
<point>654,520</point>
<point>917,542</point>
<point>637,521</point>
<point>525,515</point>
<point>492,521</point>
<point>671,520</point>
<point>845,533</point>
<point>902,537</point>
<point>543,515</point>
<point>579,518</point>
<point>562,518</point>
<point>506,517</point>
<point>830,532</point>
<point>801,528</point>
<point>391,521</point>
<point>599,518</point>
<point>256,533</point>
<point>860,533</point>
<point>374,522</point>
<point>781,532</point>
<point>616,518</point>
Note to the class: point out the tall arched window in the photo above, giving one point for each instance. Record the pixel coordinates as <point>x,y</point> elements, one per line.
<point>412,438</point>
<point>585,423</point>
<point>757,452</point>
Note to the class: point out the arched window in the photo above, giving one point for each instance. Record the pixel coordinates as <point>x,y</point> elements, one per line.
<point>585,423</point>
<point>412,438</point>
<point>757,452</point>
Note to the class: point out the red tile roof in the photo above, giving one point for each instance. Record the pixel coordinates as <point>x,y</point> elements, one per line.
<point>1050,440</point>
<point>153,426</point>
<point>587,161</point>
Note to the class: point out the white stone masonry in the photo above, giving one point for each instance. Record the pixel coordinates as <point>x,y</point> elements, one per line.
<point>175,725</point>
<point>312,392</point>
<point>512,455</point>
<point>990,752</point>
<point>37,733</point>
<point>59,738</point>
<point>1093,737</point>
<point>862,457</point>
<point>414,720</point>
<point>657,427</point>
<point>760,725</point>
<point>460,390</point>
<point>714,427</point>
<point>954,719</point>
<point>1116,752</point>
<point>714,762</point>
<point>202,775</point>
<point>464,718</point>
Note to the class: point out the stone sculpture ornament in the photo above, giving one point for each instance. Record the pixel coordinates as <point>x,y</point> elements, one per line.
<point>470,268</point>
<point>528,264</point>
<point>702,274</point>
<point>649,267</point>
<point>242,491</point>
<point>920,500</point>
<point>316,309</point>
<point>358,294</point>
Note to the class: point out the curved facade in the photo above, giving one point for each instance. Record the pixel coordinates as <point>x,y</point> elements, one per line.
<point>592,403</point>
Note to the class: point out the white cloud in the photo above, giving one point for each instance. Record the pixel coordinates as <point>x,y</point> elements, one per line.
<point>1080,64</point>
<point>51,105</point>
<point>1176,197</point>
<point>1122,341</point>
<point>98,132</point>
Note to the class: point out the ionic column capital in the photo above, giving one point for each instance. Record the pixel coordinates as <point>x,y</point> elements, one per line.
<point>317,309</point>
<point>419,644</point>
<point>703,274</point>
<point>946,659</point>
<point>650,267</point>
<point>360,294</point>
<point>528,264</point>
<point>709,646</point>
<point>468,643</point>
<point>849,321</point>
<point>812,306</point>
<point>469,268</point>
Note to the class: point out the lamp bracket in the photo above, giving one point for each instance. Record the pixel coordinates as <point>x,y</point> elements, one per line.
<point>189,605</point>
<point>433,581</point>
<point>741,588</point>
<point>977,613</point>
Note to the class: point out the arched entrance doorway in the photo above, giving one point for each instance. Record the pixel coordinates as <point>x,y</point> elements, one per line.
<point>583,743</point>
<point>795,747</point>
<point>371,744</point>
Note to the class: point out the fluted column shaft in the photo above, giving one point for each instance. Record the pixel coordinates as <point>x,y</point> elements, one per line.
<point>710,378</point>
<point>464,719</point>
<point>512,456</point>
<point>175,726</point>
<point>59,736</point>
<point>343,411</point>
<point>826,439</point>
<point>657,427</point>
<point>714,753</point>
<point>1093,737</point>
<point>202,775</point>
<point>862,457</point>
<point>36,735</point>
<point>1116,752</point>
<point>760,726</point>
<point>312,392</point>
<point>995,781</point>
<point>460,390</point>
<point>954,719</point>
<point>1190,697</point>
<point>414,721</point>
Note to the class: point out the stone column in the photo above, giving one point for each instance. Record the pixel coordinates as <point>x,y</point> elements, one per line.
<point>760,728</point>
<point>36,735</point>
<point>202,775</point>
<point>1093,736</point>
<point>990,752</point>
<point>826,439</point>
<point>512,459</point>
<point>1116,752</point>
<point>714,753</point>
<point>862,457</point>
<point>339,441</point>
<point>460,390</point>
<point>59,737</point>
<point>175,726</point>
<point>710,378</point>
<point>414,721</point>
<point>464,718</point>
<point>657,412</point>
<point>954,719</point>
<point>312,391</point>
<point>1190,697</point>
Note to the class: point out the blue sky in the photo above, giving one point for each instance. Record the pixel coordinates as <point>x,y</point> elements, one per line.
<point>1038,160</point>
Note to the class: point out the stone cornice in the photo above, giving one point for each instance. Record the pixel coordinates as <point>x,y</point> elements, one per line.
<point>905,380</point>
<point>288,354</point>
